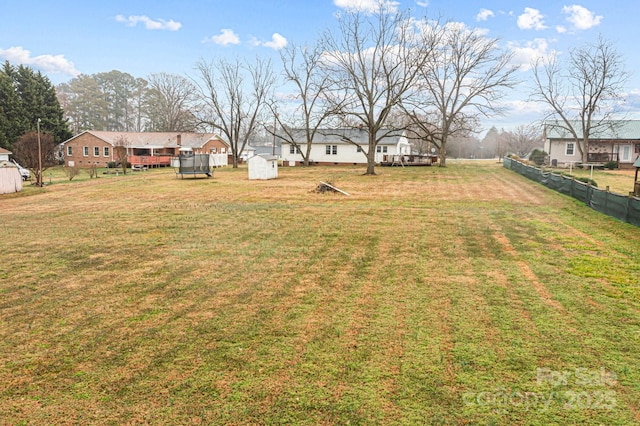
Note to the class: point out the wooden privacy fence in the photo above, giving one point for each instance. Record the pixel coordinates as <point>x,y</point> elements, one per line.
<point>622,207</point>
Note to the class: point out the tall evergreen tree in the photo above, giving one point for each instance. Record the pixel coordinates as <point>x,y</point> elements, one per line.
<point>10,127</point>
<point>34,97</point>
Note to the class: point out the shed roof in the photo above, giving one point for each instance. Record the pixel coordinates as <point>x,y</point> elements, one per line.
<point>612,129</point>
<point>4,151</point>
<point>267,157</point>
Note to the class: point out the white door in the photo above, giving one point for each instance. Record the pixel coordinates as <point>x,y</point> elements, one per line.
<point>625,153</point>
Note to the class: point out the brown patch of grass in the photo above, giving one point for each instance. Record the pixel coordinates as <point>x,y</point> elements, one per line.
<point>149,299</point>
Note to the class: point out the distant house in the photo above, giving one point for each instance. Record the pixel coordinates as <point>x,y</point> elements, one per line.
<point>248,152</point>
<point>333,147</point>
<point>263,166</point>
<point>145,149</point>
<point>617,141</point>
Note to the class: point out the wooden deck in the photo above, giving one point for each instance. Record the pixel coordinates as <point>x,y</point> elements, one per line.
<point>409,160</point>
<point>148,161</point>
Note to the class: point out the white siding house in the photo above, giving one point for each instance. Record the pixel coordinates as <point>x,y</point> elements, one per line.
<point>617,141</point>
<point>263,166</point>
<point>343,146</point>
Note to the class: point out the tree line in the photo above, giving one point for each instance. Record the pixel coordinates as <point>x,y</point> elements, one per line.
<point>117,101</point>
<point>28,101</point>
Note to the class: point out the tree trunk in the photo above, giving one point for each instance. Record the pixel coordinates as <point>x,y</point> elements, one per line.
<point>443,157</point>
<point>584,151</point>
<point>371,160</point>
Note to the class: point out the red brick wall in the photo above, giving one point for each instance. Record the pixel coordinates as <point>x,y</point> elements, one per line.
<point>78,157</point>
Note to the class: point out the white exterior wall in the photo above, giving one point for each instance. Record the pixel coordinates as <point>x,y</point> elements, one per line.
<point>346,153</point>
<point>10,180</point>
<point>260,168</point>
<point>557,150</point>
<point>218,160</point>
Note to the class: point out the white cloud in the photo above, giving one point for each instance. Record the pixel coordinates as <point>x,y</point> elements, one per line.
<point>54,64</point>
<point>580,17</point>
<point>484,14</point>
<point>225,38</point>
<point>531,19</point>
<point>422,3</point>
<point>150,24</point>
<point>525,56</point>
<point>277,42</point>
<point>368,6</point>
<point>561,29</point>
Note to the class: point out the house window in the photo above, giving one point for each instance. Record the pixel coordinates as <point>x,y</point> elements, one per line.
<point>570,148</point>
<point>331,149</point>
<point>96,151</point>
<point>358,148</point>
<point>85,151</point>
<point>294,149</point>
<point>382,149</point>
<point>69,150</point>
<point>214,150</point>
<point>637,148</point>
<point>105,151</point>
<point>223,150</point>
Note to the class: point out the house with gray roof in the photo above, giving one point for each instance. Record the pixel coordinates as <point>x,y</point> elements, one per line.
<point>616,140</point>
<point>341,146</point>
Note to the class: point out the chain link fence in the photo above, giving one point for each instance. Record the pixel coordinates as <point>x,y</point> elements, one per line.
<point>624,208</point>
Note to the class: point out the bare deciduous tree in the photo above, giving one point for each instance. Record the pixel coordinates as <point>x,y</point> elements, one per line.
<point>462,84</point>
<point>301,66</point>
<point>523,139</point>
<point>28,154</point>
<point>236,95</point>
<point>372,61</point>
<point>121,151</point>
<point>583,93</point>
<point>171,102</point>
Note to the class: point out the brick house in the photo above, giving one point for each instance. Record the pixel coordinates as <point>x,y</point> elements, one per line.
<point>148,149</point>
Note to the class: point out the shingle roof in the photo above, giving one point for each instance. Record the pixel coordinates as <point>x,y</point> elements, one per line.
<point>614,129</point>
<point>154,139</point>
<point>340,135</point>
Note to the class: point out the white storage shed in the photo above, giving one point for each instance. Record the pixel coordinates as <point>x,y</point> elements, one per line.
<point>263,166</point>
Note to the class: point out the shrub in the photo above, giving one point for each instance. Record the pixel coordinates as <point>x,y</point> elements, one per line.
<point>538,156</point>
<point>93,171</point>
<point>71,172</point>
<point>611,165</point>
<point>587,180</point>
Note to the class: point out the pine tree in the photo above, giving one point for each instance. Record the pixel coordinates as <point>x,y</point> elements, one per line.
<point>26,97</point>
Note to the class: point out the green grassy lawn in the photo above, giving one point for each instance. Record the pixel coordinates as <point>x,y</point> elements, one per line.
<point>463,295</point>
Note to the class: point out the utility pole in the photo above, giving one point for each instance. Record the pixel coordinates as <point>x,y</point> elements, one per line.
<point>39,182</point>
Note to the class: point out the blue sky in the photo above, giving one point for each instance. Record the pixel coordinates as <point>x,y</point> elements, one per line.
<point>68,37</point>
